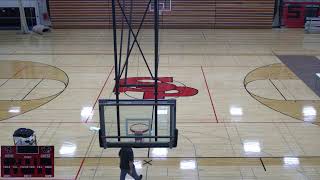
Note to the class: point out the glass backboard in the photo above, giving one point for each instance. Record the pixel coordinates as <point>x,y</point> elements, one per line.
<point>137,126</point>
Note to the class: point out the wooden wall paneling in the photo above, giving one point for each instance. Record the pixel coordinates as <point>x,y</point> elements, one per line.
<point>80,13</point>
<point>184,14</point>
<point>190,14</point>
<point>244,13</point>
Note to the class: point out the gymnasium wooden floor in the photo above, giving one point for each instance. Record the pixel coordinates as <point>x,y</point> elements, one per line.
<point>231,129</point>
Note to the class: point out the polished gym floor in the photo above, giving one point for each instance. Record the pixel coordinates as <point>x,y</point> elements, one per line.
<point>252,118</point>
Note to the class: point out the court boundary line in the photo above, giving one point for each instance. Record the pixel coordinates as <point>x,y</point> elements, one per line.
<point>84,158</point>
<point>95,103</point>
<point>194,122</point>
<point>38,178</point>
<point>262,163</point>
<point>34,87</point>
<point>12,77</point>
<point>213,108</point>
<point>94,135</point>
<point>278,90</point>
<point>200,157</point>
<point>177,54</point>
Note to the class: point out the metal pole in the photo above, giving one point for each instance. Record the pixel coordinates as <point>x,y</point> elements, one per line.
<point>156,59</point>
<point>128,45</point>
<point>23,21</point>
<point>121,37</point>
<point>102,131</point>
<point>114,26</point>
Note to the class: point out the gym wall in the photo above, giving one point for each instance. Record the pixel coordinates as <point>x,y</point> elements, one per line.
<point>184,13</point>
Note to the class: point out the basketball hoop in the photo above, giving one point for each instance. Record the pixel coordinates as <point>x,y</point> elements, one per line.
<point>139,129</point>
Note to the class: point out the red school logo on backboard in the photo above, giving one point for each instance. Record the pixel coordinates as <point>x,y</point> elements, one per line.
<point>166,87</point>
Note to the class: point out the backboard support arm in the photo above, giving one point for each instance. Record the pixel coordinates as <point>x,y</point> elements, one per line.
<point>118,55</point>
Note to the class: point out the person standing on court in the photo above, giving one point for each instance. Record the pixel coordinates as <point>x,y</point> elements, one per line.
<point>126,164</point>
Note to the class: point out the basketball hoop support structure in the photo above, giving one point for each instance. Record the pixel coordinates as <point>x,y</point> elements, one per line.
<point>112,133</point>
<point>126,21</point>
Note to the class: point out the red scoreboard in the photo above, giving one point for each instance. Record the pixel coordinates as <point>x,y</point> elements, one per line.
<point>27,161</point>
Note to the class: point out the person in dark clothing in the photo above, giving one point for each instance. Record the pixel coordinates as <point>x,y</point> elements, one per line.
<point>126,164</point>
